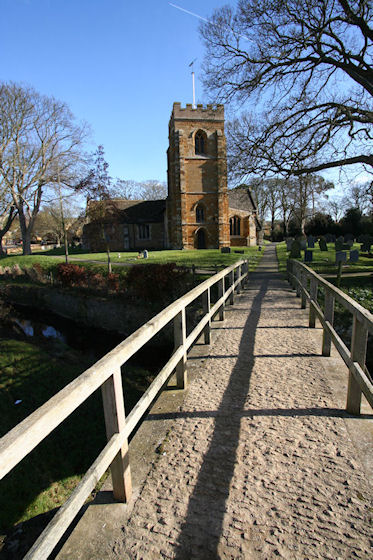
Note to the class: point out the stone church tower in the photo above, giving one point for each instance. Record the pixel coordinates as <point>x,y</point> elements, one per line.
<point>197,202</point>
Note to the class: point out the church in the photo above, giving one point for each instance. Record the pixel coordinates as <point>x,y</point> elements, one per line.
<point>199,211</point>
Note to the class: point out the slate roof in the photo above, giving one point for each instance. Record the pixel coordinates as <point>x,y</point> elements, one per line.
<point>241,199</point>
<point>143,211</point>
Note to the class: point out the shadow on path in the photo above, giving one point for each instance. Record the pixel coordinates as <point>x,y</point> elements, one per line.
<point>200,534</point>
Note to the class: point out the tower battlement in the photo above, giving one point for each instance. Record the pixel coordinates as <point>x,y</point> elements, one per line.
<point>208,112</point>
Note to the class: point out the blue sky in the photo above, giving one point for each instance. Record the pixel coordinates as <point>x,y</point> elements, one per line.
<point>118,64</point>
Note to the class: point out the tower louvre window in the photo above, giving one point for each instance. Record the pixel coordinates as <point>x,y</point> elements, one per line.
<point>200,142</point>
<point>200,214</point>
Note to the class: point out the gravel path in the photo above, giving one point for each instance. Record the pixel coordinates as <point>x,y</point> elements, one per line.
<point>259,464</point>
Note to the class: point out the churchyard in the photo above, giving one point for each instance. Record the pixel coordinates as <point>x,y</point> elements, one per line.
<point>357,275</point>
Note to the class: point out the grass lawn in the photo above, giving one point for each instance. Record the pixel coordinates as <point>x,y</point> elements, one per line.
<point>203,258</point>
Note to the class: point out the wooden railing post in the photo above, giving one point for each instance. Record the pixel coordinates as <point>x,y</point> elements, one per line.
<point>206,309</point>
<point>329,316</point>
<point>358,354</point>
<point>313,294</point>
<point>297,275</point>
<point>303,279</point>
<point>231,281</point>
<point>238,275</point>
<point>246,271</point>
<point>179,340</point>
<point>221,291</point>
<point>112,396</point>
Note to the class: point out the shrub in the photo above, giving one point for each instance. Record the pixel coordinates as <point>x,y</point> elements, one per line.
<point>72,275</point>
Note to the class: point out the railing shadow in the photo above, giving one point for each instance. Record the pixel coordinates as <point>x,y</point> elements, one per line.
<point>200,534</point>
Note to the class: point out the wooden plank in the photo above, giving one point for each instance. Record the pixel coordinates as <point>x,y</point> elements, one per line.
<point>62,519</point>
<point>112,396</point>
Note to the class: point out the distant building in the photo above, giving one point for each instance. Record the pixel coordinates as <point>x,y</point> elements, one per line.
<point>199,211</point>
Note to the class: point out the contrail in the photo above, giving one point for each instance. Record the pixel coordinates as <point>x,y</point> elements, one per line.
<point>188,12</point>
<point>202,18</point>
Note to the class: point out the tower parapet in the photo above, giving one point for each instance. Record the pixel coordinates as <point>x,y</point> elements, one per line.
<point>208,112</point>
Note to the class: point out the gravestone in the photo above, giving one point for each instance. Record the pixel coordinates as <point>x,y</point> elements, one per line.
<point>322,244</point>
<point>225,250</point>
<point>295,250</point>
<point>340,256</point>
<point>354,256</point>
<point>308,256</point>
<point>366,246</point>
<point>350,243</point>
<point>303,243</point>
<point>289,243</point>
<point>339,243</point>
<point>240,251</point>
<point>311,242</point>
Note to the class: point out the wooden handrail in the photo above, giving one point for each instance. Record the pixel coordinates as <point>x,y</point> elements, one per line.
<point>105,373</point>
<point>359,379</point>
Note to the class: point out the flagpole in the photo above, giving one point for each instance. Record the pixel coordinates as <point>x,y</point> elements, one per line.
<point>193,83</point>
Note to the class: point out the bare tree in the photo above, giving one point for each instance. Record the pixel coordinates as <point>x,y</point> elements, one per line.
<point>336,207</point>
<point>306,65</point>
<point>38,139</point>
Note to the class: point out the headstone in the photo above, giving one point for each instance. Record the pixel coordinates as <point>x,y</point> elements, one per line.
<point>340,256</point>
<point>365,247</point>
<point>308,256</point>
<point>289,243</point>
<point>145,253</point>
<point>303,243</point>
<point>322,244</point>
<point>339,243</point>
<point>295,250</point>
<point>350,243</point>
<point>240,251</point>
<point>311,242</point>
<point>354,256</point>
<point>225,250</point>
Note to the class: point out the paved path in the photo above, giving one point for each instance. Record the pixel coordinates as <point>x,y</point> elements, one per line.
<point>259,464</point>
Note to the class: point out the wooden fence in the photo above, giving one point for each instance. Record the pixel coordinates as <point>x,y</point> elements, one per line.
<point>307,283</point>
<point>106,373</point>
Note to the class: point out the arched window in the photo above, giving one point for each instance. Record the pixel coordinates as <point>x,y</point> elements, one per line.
<point>235,226</point>
<point>200,214</point>
<point>200,142</point>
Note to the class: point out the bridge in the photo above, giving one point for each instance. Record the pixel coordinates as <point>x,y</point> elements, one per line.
<point>263,458</point>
